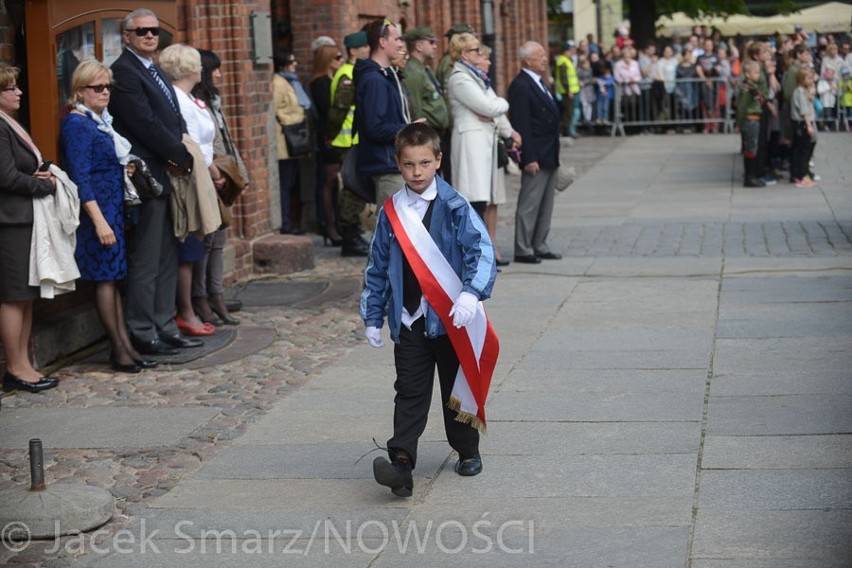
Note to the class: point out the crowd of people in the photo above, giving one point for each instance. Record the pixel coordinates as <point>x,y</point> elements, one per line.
<point>687,82</point>
<point>149,171</point>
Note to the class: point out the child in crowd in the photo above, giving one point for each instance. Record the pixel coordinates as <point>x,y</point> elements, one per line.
<point>431,263</point>
<point>804,139</point>
<point>750,103</point>
<point>846,96</point>
<point>605,95</point>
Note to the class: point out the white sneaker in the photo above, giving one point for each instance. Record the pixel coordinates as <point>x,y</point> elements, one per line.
<point>815,177</point>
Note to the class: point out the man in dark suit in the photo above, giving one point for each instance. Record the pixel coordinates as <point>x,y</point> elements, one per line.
<point>534,113</point>
<point>146,112</point>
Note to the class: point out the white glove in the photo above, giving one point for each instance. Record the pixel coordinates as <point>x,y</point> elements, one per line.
<point>374,336</point>
<point>464,309</point>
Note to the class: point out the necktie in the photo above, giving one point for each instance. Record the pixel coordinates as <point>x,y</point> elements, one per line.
<point>411,292</point>
<point>544,86</point>
<point>162,84</point>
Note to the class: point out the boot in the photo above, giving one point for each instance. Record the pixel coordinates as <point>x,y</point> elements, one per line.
<point>751,178</point>
<point>353,243</point>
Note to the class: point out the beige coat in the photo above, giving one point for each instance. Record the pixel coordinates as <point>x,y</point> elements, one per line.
<point>287,110</point>
<point>474,148</point>
<point>195,209</point>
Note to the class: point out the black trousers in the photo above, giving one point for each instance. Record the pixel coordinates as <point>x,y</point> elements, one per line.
<point>416,357</point>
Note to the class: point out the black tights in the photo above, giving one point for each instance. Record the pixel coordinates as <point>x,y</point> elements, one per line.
<point>108,304</point>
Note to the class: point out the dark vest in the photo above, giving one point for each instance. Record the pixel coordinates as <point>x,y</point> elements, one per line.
<point>411,292</point>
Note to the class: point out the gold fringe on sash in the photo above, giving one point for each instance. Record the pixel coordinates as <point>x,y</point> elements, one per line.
<point>466,417</point>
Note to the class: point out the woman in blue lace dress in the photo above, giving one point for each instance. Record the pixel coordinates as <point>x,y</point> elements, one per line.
<point>93,155</point>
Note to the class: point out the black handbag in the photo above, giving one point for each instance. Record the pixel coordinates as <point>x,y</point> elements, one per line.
<point>502,154</point>
<point>353,180</point>
<point>298,139</point>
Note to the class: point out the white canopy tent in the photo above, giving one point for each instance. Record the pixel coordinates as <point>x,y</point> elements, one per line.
<point>831,17</point>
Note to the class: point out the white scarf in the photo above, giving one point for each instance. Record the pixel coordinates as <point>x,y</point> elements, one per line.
<point>104,122</point>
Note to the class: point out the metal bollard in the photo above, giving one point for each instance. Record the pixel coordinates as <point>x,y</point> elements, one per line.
<point>36,465</point>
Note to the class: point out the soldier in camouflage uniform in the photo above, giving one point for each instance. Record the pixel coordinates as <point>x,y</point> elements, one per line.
<point>425,93</point>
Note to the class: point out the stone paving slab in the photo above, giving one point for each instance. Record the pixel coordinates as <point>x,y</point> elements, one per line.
<point>310,461</point>
<point>649,547</point>
<point>782,383</point>
<point>602,341</point>
<point>784,355</point>
<point>744,291</point>
<point>569,359</point>
<point>99,427</point>
<point>813,319</point>
<point>780,415</point>
<point>777,452</point>
<point>779,538</point>
<point>283,494</point>
<point>506,437</point>
<point>599,407</point>
<point>664,475</point>
<point>637,381</point>
<point>761,491</point>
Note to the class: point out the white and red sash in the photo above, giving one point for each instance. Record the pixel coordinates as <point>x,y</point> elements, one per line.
<point>476,345</point>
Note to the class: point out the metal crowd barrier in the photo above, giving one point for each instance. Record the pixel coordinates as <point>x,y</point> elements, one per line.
<point>837,116</point>
<point>691,102</point>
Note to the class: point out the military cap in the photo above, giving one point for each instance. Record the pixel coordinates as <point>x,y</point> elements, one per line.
<point>460,29</point>
<point>420,32</point>
<point>358,39</point>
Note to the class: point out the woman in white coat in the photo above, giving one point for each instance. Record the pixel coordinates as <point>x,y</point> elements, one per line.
<point>474,148</point>
<point>476,112</point>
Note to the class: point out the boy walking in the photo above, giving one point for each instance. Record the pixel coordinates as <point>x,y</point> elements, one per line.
<point>431,263</point>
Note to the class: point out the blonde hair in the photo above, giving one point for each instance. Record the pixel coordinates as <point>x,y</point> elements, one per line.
<point>85,74</point>
<point>180,60</point>
<point>461,43</point>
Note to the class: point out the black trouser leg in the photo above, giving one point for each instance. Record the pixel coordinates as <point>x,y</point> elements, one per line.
<point>416,357</point>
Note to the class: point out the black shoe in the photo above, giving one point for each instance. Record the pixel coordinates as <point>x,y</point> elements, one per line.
<point>754,182</point>
<point>468,467</point>
<point>502,262</point>
<point>233,305</point>
<point>528,259</point>
<point>181,341</point>
<point>396,475</point>
<point>132,368</point>
<point>13,383</point>
<point>354,247</point>
<point>549,256</point>
<point>154,347</point>
<point>146,363</point>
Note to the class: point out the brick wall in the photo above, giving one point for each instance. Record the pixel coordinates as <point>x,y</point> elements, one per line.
<point>225,28</point>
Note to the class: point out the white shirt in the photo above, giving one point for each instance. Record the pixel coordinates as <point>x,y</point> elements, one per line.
<point>538,81</point>
<point>419,203</point>
<point>199,123</point>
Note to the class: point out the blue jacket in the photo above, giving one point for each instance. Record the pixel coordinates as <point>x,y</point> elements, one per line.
<point>378,117</point>
<point>460,235</point>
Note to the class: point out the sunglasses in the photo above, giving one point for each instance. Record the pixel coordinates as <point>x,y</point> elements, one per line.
<point>99,88</point>
<point>338,57</point>
<point>142,32</point>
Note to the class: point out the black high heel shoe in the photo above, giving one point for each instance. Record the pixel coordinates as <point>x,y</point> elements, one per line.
<point>146,363</point>
<point>13,383</point>
<point>329,242</point>
<point>131,368</point>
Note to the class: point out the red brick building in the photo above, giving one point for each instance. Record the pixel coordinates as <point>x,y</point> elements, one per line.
<point>33,32</point>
